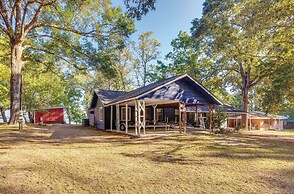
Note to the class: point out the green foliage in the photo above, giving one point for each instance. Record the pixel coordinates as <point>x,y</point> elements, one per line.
<point>158,72</point>
<point>4,75</point>
<point>250,43</point>
<point>220,117</point>
<point>145,51</point>
<point>278,95</point>
<point>184,58</point>
<point>42,89</point>
<point>4,86</point>
<point>288,113</point>
<point>137,8</point>
<point>63,36</point>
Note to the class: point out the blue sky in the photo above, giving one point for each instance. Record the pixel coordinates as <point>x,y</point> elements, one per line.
<point>170,17</point>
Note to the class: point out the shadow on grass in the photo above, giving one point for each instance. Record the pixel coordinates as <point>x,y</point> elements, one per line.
<point>281,180</point>
<point>166,148</point>
<point>245,147</point>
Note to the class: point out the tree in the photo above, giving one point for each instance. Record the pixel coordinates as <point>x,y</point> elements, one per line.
<point>137,8</point>
<point>4,90</point>
<point>158,72</point>
<point>4,80</point>
<point>245,53</point>
<point>123,67</point>
<point>183,58</point>
<point>81,33</point>
<point>277,95</point>
<point>41,89</point>
<point>145,51</point>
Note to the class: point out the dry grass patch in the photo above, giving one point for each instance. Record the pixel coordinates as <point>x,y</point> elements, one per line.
<point>66,159</point>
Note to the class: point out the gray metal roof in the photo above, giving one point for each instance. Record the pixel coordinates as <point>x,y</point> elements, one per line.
<point>107,96</point>
<point>182,88</point>
<point>144,89</point>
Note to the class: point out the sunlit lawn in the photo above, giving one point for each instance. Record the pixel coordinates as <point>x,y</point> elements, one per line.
<point>71,160</point>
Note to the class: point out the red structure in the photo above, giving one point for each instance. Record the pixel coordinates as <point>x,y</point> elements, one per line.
<point>50,116</point>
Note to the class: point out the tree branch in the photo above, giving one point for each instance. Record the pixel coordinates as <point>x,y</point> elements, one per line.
<point>25,13</point>
<point>58,56</point>
<point>31,24</point>
<point>64,42</point>
<point>66,29</point>
<point>257,80</point>
<point>4,14</point>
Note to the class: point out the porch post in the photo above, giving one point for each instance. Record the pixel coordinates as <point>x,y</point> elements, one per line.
<point>111,117</point>
<point>210,117</point>
<point>144,116</point>
<point>136,118</point>
<point>236,122</point>
<point>117,117</point>
<point>139,117</point>
<point>127,118</point>
<point>196,114</point>
<point>185,118</point>
<point>154,115</point>
<point>249,124</point>
<point>180,118</point>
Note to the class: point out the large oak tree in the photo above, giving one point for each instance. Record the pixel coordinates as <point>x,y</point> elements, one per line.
<point>249,41</point>
<point>80,33</point>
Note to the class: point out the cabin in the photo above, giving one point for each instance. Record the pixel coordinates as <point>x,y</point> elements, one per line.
<point>258,121</point>
<point>163,104</point>
<point>49,116</point>
<point>289,124</point>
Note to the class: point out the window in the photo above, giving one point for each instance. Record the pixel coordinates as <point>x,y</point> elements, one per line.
<point>267,121</point>
<point>177,112</point>
<point>159,114</point>
<point>100,115</point>
<point>123,113</point>
<point>147,114</point>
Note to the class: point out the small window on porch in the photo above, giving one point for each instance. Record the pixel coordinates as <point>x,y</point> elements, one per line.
<point>159,114</point>
<point>123,113</point>
<point>147,114</point>
<point>100,115</point>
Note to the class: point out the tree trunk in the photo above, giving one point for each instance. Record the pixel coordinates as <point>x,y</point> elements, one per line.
<point>145,74</point>
<point>2,110</point>
<point>68,111</point>
<point>15,81</point>
<point>245,95</point>
<point>31,117</point>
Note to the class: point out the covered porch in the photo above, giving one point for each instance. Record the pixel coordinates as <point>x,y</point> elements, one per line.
<point>145,116</point>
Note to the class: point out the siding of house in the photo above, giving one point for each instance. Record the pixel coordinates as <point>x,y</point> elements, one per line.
<point>99,115</point>
<point>91,117</point>
<point>266,124</point>
<point>289,124</point>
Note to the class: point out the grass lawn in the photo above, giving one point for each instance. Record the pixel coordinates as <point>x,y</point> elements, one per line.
<point>69,159</point>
